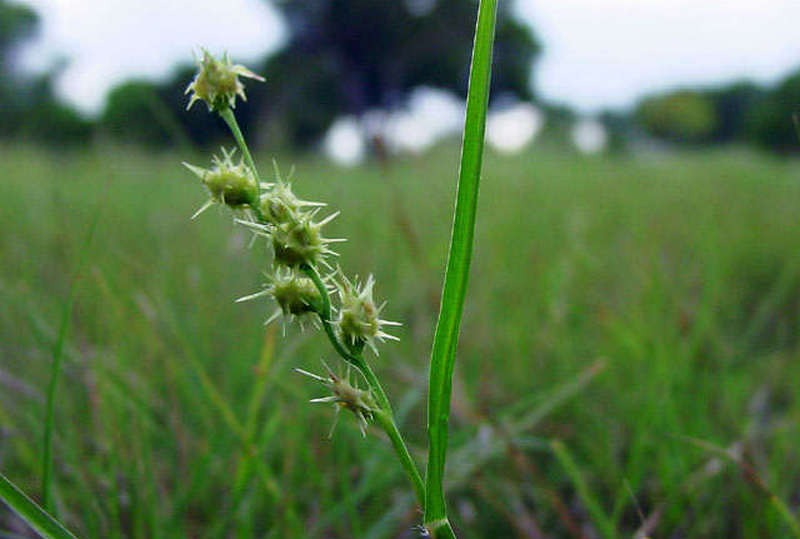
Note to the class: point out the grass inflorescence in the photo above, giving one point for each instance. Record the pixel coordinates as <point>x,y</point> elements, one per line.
<point>299,251</point>
<point>302,281</point>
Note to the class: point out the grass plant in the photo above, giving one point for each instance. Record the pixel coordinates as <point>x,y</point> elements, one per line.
<point>645,325</point>
<point>272,211</point>
<point>459,257</point>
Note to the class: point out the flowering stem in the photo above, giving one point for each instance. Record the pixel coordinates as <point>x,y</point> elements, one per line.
<point>230,119</point>
<point>384,416</point>
<point>227,115</point>
<point>325,317</point>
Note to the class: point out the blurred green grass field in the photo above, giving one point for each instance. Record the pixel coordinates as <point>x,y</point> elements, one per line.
<point>627,308</point>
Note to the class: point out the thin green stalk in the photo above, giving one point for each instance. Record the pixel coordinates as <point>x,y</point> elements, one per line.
<point>458,262</point>
<point>55,372</point>
<point>325,317</point>
<point>230,119</point>
<point>604,524</point>
<point>386,420</point>
<point>38,519</point>
<point>385,416</point>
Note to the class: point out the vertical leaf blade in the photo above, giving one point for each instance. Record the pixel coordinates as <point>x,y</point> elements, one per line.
<point>55,369</point>
<point>458,262</point>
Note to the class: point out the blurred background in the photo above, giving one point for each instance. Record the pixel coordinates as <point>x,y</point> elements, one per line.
<point>600,75</point>
<point>631,340</point>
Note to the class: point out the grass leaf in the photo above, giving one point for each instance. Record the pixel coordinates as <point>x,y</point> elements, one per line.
<point>604,525</point>
<point>458,262</point>
<point>55,369</point>
<point>44,524</point>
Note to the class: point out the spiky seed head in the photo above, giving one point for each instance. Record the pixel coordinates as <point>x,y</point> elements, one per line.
<point>227,182</point>
<point>301,242</point>
<point>296,295</point>
<point>217,82</point>
<point>345,395</point>
<point>276,209</point>
<point>359,318</point>
<point>279,205</point>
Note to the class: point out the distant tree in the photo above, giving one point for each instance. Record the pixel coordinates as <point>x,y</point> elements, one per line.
<point>29,109</point>
<point>682,116</point>
<point>618,127</point>
<point>770,122</point>
<point>347,56</point>
<point>46,120</point>
<point>136,112</point>
<point>17,24</point>
<point>732,104</point>
<point>130,114</point>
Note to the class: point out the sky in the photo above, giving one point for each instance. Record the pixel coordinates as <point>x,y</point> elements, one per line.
<point>598,53</point>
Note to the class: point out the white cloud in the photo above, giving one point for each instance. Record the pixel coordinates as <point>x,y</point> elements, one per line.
<point>608,52</point>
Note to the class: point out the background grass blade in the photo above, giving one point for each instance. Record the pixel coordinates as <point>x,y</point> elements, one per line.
<point>603,523</point>
<point>458,262</point>
<point>44,524</point>
<point>55,368</point>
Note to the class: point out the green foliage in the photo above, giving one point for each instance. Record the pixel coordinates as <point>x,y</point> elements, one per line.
<point>55,370</point>
<point>733,103</point>
<point>134,113</point>
<point>683,116</point>
<point>741,113</point>
<point>178,415</point>
<point>53,123</point>
<point>770,124</point>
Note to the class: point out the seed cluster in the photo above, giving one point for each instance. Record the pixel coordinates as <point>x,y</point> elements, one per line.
<point>227,183</point>
<point>290,226</point>
<point>345,394</point>
<point>217,82</point>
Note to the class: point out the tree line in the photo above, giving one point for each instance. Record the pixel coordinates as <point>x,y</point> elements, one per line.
<point>739,113</point>
<point>387,49</point>
<point>324,70</point>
